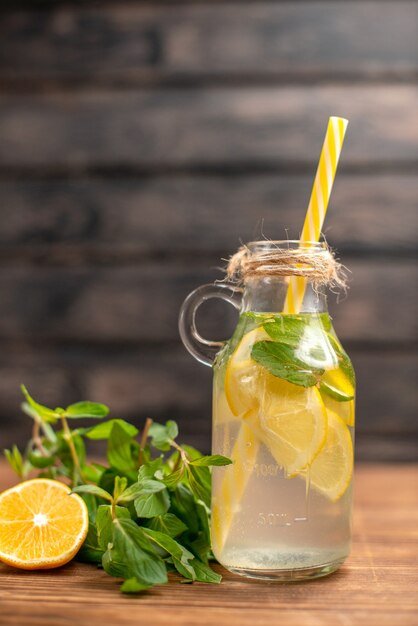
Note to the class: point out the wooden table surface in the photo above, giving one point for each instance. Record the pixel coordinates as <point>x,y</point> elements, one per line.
<point>377,586</point>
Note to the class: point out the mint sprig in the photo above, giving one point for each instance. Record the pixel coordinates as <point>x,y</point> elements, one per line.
<point>148,506</point>
<point>300,349</point>
<point>280,360</point>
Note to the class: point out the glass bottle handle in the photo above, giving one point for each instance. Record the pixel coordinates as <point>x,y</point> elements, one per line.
<point>202,349</point>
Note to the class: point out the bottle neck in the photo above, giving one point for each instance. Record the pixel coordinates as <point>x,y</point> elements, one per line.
<point>268,295</point>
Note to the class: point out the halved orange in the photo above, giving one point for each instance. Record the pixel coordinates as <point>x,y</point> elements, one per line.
<point>42,524</point>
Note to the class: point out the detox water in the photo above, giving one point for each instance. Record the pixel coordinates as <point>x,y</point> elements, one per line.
<point>283,410</point>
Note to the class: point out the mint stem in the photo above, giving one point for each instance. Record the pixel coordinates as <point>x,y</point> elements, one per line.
<point>143,442</point>
<point>36,437</point>
<point>183,454</point>
<point>76,463</point>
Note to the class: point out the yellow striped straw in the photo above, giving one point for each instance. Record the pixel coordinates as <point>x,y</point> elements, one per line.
<point>244,452</point>
<point>318,204</point>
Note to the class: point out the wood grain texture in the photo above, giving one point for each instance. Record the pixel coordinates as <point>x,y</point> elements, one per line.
<point>141,303</point>
<point>111,220</point>
<point>130,42</point>
<point>208,126</point>
<point>141,141</point>
<point>376,587</point>
<point>166,383</point>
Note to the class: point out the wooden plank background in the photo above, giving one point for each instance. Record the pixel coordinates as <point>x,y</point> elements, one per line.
<point>141,142</point>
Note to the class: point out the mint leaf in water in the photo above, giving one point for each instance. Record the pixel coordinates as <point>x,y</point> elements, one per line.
<point>280,360</point>
<point>286,329</point>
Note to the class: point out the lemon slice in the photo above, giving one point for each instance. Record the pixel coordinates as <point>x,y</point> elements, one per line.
<point>222,413</point>
<point>331,471</point>
<point>345,410</point>
<point>242,375</point>
<point>289,419</point>
<point>336,384</point>
<point>293,423</point>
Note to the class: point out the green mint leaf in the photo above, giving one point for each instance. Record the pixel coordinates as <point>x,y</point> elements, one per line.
<point>114,562</point>
<point>140,560</point>
<point>131,493</point>
<point>90,551</point>
<point>121,483</point>
<point>183,504</point>
<point>104,523</point>
<point>148,485</point>
<point>180,555</point>
<point>103,430</point>
<point>172,429</point>
<point>46,414</point>
<point>92,472</point>
<point>192,453</point>
<point>119,452</point>
<point>344,361</point>
<point>39,460</point>
<point>200,484</point>
<point>203,515</point>
<point>15,460</point>
<point>94,490</point>
<point>307,336</point>
<point>107,479</point>
<point>286,329</point>
<point>204,573</point>
<point>280,360</point>
<point>45,426</point>
<point>86,409</point>
<point>154,499</point>
<point>132,585</point>
<point>169,524</point>
<point>173,479</point>
<point>185,570</point>
<point>91,504</point>
<point>215,459</point>
<point>161,436</point>
<point>149,470</point>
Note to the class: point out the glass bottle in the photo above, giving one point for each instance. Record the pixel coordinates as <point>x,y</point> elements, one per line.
<point>283,411</point>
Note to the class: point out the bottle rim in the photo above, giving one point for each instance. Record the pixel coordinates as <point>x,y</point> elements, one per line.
<point>270,245</point>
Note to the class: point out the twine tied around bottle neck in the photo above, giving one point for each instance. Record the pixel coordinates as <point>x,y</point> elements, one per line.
<point>317,265</point>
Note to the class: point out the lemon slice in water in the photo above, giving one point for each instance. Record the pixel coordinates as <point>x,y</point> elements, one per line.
<point>242,375</point>
<point>331,471</point>
<point>345,410</point>
<point>293,423</point>
<point>289,419</point>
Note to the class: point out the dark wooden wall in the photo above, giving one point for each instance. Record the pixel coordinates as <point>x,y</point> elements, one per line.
<point>141,141</point>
